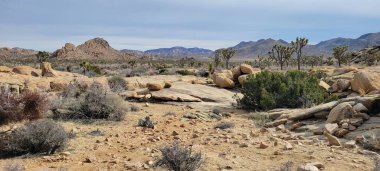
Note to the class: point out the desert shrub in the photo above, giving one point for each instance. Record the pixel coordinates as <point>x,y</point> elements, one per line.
<point>135,108</point>
<point>224,125</point>
<point>117,83</point>
<point>260,119</point>
<point>180,158</point>
<point>269,90</point>
<point>94,103</point>
<point>146,123</point>
<point>26,106</point>
<point>319,74</point>
<point>14,167</point>
<point>40,136</point>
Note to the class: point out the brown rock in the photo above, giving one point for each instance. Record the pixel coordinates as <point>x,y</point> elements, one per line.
<point>341,132</point>
<point>264,145</point>
<point>365,82</point>
<point>47,71</point>
<point>341,111</point>
<point>155,86</point>
<point>324,85</point>
<point>242,79</point>
<point>288,146</point>
<point>331,127</point>
<point>25,70</point>
<point>167,84</point>
<point>307,167</point>
<point>333,141</point>
<point>58,85</point>
<point>247,69</point>
<point>340,71</point>
<point>350,144</point>
<point>236,73</point>
<point>223,82</point>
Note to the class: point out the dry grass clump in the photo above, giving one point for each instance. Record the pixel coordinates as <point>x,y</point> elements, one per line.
<point>177,157</point>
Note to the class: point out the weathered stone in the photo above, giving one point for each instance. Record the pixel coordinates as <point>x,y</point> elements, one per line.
<point>307,167</point>
<point>264,145</point>
<point>341,111</point>
<point>25,70</point>
<point>236,73</point>
<point>223,82</point>
<point>341,132</point>
<point>331,127</point>
<point>350,144</point>
<point>242,79</point>
<point>47,71</point>
<point>246,69</point>
<point>324,85</point>
<point>5,69</point>
<point>365,82</point>
<point>155,86</point>
<point>360,108</point>
<point>333,141</point>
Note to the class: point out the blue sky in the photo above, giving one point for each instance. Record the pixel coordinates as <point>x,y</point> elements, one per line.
<point>148,24</point>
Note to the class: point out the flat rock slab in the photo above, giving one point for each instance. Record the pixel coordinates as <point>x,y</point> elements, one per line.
<point>170,95</point>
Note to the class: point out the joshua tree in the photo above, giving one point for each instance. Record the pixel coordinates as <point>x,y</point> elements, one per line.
<point>227,55</point>
<point>42,56</point>
<point>340,53</point>
<point>281,54</point>
<point>298,45</point>
<point>217,58</point>
<point>89,67</point>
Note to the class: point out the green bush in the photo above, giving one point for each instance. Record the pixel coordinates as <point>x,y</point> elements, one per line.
<point>269,90</point>
<point>117,84</point>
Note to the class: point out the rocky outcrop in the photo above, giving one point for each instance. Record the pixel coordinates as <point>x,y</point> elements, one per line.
<point>222,81</point>
<point>96,48</point>
<point>365,82</point>
<point>47,71</point>
<point>340,112</point>
<point>26,70</point>
<point>16,52</point>
<point>235,76</point>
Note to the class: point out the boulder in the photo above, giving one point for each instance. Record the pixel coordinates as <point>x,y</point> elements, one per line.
<point>365,82</point>
<point>226,73</point>
<point>25,70</point>
<point>223,82</point>
<point>333,141</point>
<point>247,69</point>
<point>360,108</point>
<point>167,84</point>
<point>324,85</point>
<point>58,85</point>
<point>128,94</point>
<point>47,71</point>
<point>242,79</point>
<point>339,112</point>
<point>155,86</point>
<point>331,127</point>
<point>236,73</point>
<point>5,69</point>
<point>307,167</point>
<point>341,85</point>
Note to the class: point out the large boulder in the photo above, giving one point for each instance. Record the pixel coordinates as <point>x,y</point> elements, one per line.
<point>220,80</point>
<point>340,112</point>
<point>341,85</point>
<point>25,70</point>
<point>226,73</point>
<point>365,82</point>
<point>155,86</point>
<point>236,73</point>
<point>324,85</point>
<point>247,69</point>
<point>47,71</point>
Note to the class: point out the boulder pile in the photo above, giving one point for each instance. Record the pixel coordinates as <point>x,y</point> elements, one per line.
<point>235,76</point>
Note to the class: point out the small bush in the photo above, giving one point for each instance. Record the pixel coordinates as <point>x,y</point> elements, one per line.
<point>146,123</point>
<point>40,136</point>
<point>117,83</point>
<point>180,158</point>
<point>26,106</point>
<point>135,108</point>
<point>94,103</point>
<point>260,119</point>
<point>14,167</point>
<point>225,125</point>
<point>185,72</point>
<point>269,90</point>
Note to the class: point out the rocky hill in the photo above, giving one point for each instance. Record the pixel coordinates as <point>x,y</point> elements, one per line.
<point>16,52</point>
<point>96,48</point>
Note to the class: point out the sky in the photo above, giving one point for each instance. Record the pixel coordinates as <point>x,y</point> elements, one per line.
<point>149,24</point>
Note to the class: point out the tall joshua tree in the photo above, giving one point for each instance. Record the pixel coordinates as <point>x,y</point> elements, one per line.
<point>281,54</point>
<point>298,45</point>
<point>340,54</point>
<point>227,55</point>
<point>217,58</point>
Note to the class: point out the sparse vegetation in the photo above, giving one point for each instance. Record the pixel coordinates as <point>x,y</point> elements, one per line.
<point>40,136</point>
<point>117,84</point>
<point>340,54</point>
<point>26,106</point>
<point>286,166</point>
<point>298,45</point>
<point>269,90</point>
<point>177,157</point>
<point>135,108</point>
<point>14,167</point>
<point>260,119</point>
<point>281,54</point>
<point>93,103</point>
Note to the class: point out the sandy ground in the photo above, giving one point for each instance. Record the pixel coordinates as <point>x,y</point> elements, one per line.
<point>124,146</point>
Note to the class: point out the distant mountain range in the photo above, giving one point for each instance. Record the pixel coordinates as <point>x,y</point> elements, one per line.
<point>99,48</point>
<point>173,52</point>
